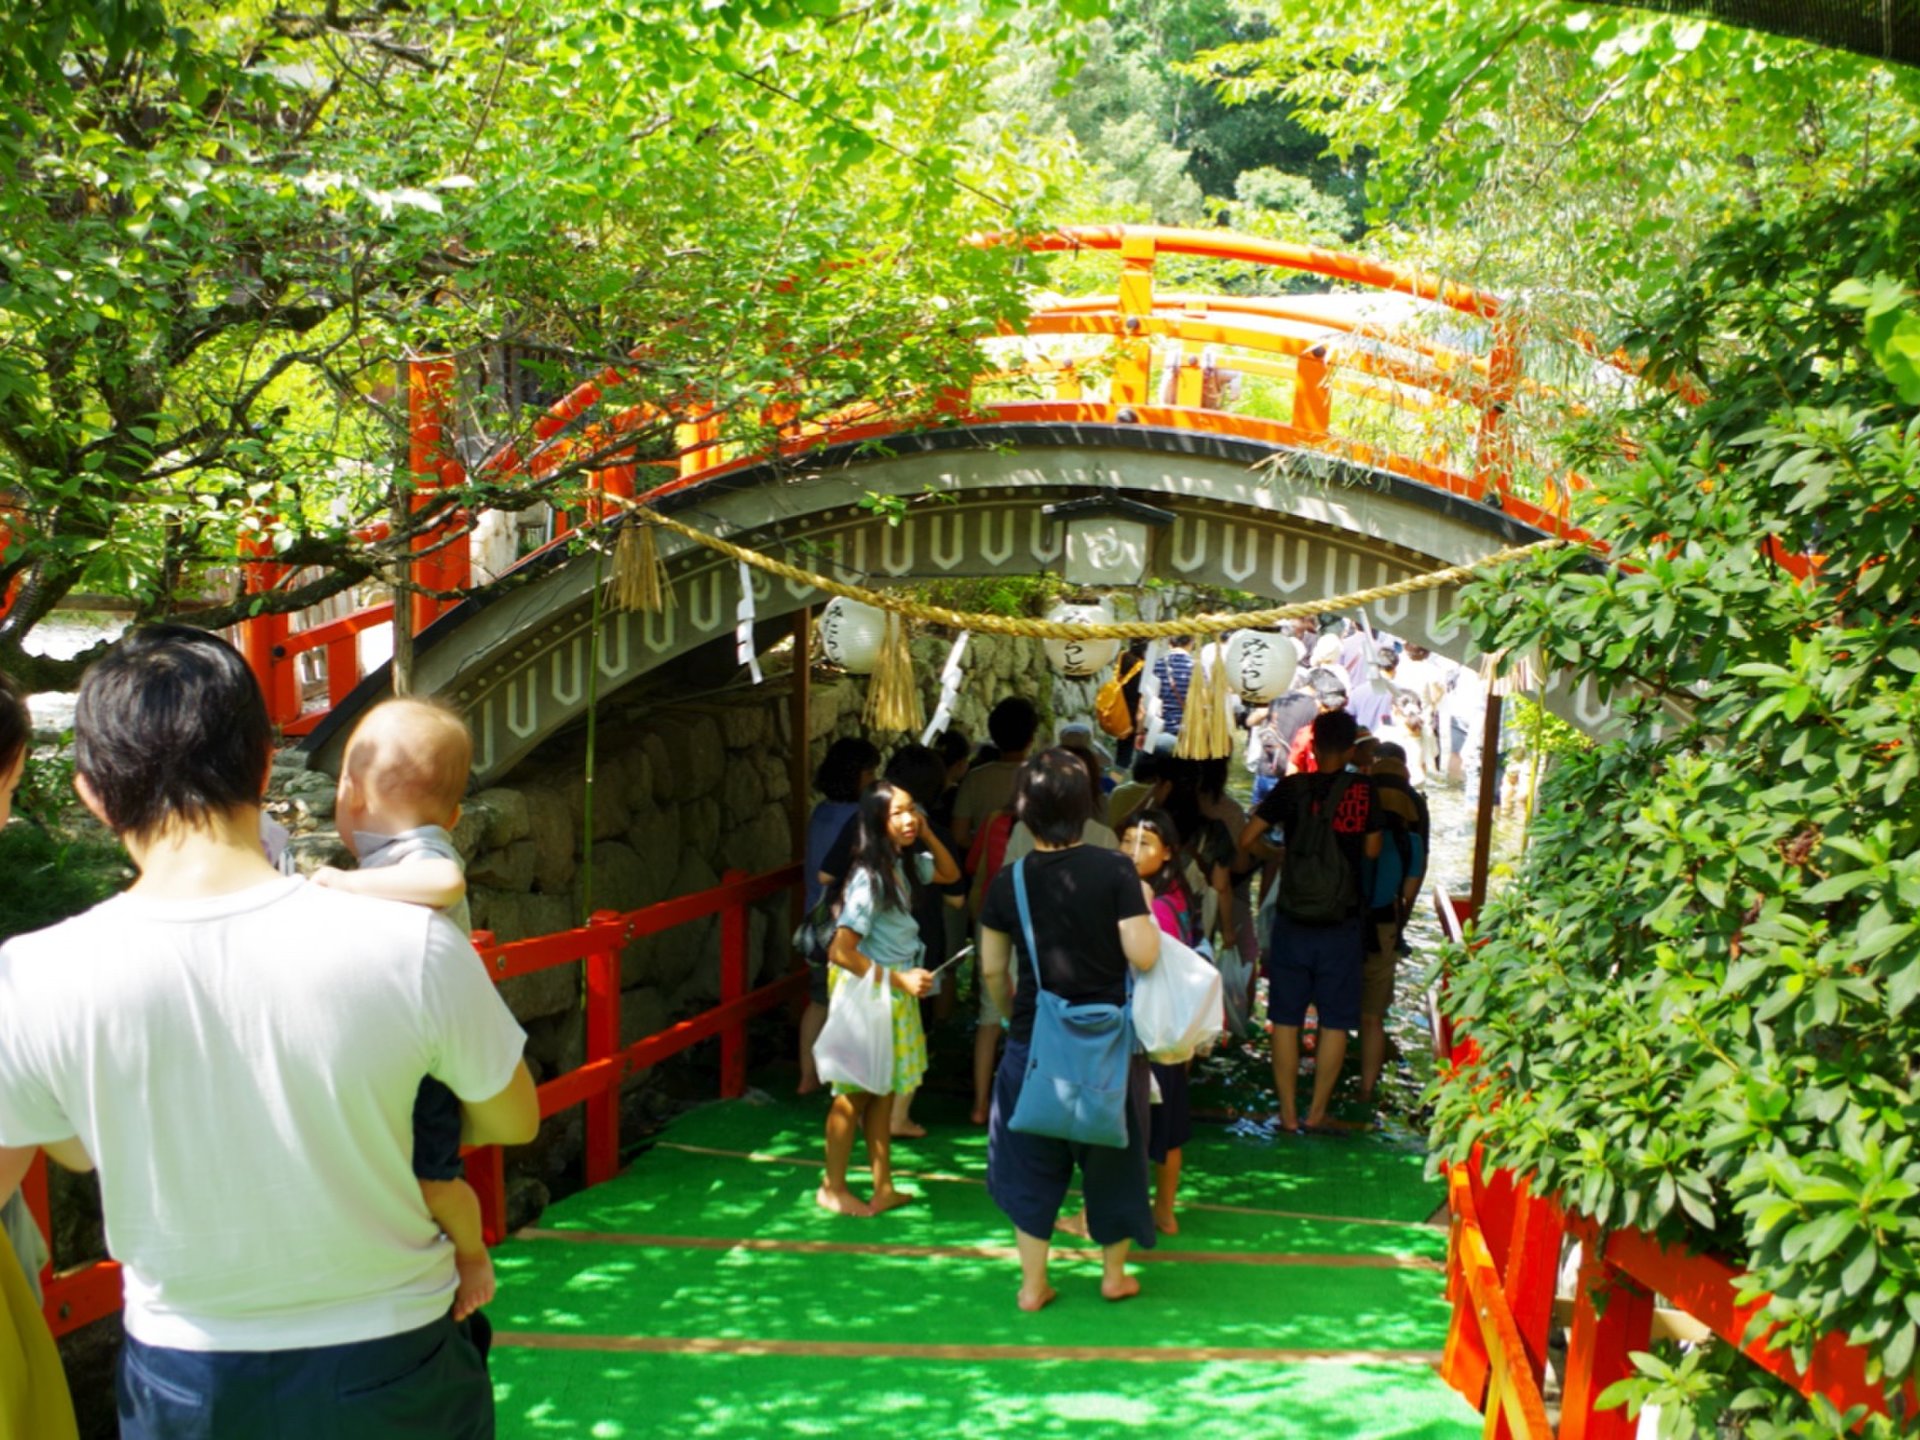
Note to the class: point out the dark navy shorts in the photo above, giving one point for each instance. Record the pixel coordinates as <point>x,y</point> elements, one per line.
<point>436,1133</point>
<point>1028,1175</point>
<point>1317,965</point>
<point>427,1384</point>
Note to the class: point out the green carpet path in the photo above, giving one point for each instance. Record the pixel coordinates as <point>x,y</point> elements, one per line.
<point>702,1293</point>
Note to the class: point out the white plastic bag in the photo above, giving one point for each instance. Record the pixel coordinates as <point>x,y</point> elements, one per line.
<point>856,1044</point>
<point>1236,975</point>
<point>1176,1004</point>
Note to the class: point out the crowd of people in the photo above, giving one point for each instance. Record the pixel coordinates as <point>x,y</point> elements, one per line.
<point>278,1144</point>
<point>1061,865</point>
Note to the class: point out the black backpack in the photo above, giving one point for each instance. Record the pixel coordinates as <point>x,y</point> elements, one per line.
<point>1317,885</point>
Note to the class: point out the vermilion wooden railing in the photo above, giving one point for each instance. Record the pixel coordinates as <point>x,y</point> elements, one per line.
<point>1265,336</point>
<point>82,1295</point>
<point>1503,1270</point>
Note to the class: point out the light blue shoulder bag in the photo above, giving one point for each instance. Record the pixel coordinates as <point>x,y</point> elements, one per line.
<point>1076,1081</point>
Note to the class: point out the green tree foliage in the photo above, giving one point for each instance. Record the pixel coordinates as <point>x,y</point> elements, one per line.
<point>1573,157</point>
<point>1699,1000</point>
<point>223,224</point>
<point>1159,142</point>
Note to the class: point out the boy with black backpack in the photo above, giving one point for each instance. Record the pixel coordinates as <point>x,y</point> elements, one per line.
<point>1331,824</point>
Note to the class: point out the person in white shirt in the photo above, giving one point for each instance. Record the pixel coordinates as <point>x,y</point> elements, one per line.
<point>239,1052</point>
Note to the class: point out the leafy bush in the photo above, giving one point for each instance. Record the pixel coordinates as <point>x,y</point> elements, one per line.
<point>46,876</point>
<point>1696,1003</point>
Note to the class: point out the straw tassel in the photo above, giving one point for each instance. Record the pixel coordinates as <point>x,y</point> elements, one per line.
<point>1206,727</point>
<point>893,699</point>
<point>639,580</point>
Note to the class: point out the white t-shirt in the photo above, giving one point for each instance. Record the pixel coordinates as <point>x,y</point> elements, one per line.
<point>243,1070</point>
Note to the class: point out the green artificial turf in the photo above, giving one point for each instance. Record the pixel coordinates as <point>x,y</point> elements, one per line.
<point>673,1192</point>
<point>594,1289</point>
<point>583,1396</point>
<point>1312,1197</point>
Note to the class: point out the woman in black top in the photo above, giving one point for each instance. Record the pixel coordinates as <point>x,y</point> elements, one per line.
<point>1090,922</point>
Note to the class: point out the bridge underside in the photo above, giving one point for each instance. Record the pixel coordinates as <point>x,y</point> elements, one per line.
<point>1273,522</point>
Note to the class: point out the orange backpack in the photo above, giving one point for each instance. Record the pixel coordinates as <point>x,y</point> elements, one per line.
<point>1110,703</point>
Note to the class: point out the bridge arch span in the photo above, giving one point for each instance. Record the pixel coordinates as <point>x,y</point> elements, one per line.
<point>1267,519</point>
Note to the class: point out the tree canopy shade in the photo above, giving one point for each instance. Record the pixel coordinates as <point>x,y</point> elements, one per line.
<point>224,223</point>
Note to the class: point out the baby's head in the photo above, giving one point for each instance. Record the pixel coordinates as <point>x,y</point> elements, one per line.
<point>405,766</point>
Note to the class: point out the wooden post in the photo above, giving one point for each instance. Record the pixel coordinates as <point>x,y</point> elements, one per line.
<point>1483,812</point>
<point>431,468</point>
<point>1532,1270</point>
<point>1598,1346</point>
<point>603,1042</point>
<point>799,766</point>
<point>343,668</point>
<point>734,930</point>
<point>1312,395</point>
<point>487,1174</point>
<point>40,1206</point>
<point>1133,366</point>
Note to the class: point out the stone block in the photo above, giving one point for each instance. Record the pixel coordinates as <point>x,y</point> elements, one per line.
<point>469,832</point>
<point>655,838</point>
<point>554,839</point>
<point>519,917</point>
<point>825,705</point>
<point>310,852</point>
<point>700,826</point>
<point>618,878</point>
<point>610,813</point>
<point>643,1012</point>
<point>508,869</point>
<point>743,791</point>
<point>633,772</point>
<point>774,776</point>
<point>659,767</point>
<point>545,992</point>
<point>763,843</point>
<point>507,816</point>
<point>696,758</point>
<point>747,727</point>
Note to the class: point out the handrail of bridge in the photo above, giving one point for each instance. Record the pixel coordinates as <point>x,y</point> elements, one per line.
<point>1151,384</point>
<point>81,1295</point>
<point>1503,1269</point>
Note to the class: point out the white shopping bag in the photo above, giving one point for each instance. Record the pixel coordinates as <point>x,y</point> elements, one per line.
<point>856,1044</point>
<point>1177,1004</point>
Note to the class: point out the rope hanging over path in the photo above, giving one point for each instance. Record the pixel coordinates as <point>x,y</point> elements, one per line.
<point>1219,624</point>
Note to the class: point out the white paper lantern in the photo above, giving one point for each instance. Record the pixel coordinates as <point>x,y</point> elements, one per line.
<point>1082,657</point>
<point>1260,665</point>
<point>852,634</point>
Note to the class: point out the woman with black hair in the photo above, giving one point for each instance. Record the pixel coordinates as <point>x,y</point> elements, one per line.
<point>1089,925</point>
<point>34,1404</point>
<point>847,768</point>
<point>877,927</point>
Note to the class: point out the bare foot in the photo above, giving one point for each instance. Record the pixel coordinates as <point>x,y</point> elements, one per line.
<point>475,1286</point>
<point>1075,1224</point>
<point>1166,1224</point>
<point>808,1084</point>
<point>1330,1125</point>
<point>889,1199</point>
<point>978,1115</point>
<point>842,1202</point>
<point>909,1130</point>
<point>1032,1303</point>
<point>1125,1288</point>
